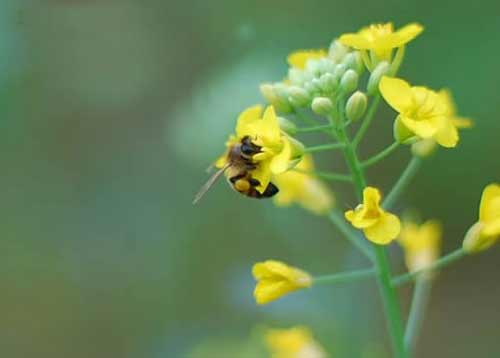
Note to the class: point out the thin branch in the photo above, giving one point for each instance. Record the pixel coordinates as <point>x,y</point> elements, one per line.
<point>343,277</point>
<point>381,155</point>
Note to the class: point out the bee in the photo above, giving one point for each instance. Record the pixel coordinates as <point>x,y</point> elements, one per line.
<point>238,171</point>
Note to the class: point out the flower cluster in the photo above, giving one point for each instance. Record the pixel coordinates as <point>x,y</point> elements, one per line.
<point>336,92</point>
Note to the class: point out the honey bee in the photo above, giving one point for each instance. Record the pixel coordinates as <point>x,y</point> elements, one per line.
<point>238,171</point>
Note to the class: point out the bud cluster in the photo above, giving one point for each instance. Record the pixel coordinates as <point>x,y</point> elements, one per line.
<point>318,84</point>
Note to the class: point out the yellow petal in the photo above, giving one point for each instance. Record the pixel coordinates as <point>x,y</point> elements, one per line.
<point>461,122</point>
<point>423,128</point>
<point>407,33</point>
<point>268,130</point>
<point>280,162</point>
<point>263,174</point>
<point>397,93</point>
<point>357,41</point>
<point>385,230</point>
<point>268,291</point>
<point>490,203</point>
<point>298,59</point>
<point>447,136</point>
<point>246,121</point>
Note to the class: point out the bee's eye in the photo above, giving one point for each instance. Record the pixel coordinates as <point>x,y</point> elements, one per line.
<point>248,149</point>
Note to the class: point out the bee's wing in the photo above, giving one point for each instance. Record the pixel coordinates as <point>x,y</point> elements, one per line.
<point>210,182</point>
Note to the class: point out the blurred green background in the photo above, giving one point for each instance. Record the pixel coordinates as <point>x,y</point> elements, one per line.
<point>110,111</point>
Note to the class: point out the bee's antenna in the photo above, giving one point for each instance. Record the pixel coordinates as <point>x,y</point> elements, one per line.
<point>210,182</point>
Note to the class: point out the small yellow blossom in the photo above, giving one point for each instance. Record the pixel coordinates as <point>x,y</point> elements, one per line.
<point>298,59</point>
<point>425,147</point>
<point>422,111</point>
<point>486,231</point>
<point>421,243</point>
<point>381,38</point>
<point>278,151</point>
<point>302,187</point>
<point>296,342</point>
<point>378,225</point>
<point>276,279</point>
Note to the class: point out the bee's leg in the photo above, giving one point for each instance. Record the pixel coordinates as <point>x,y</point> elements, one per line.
<point>271,190</point>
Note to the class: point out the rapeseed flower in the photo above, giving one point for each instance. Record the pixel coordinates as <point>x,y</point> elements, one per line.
<point>381,39</point>
<point>278,151</point>
<point>295,342</point>
<point>276,279</point>
<point>302,187</point>
<point>378,225</point>
<point>421,243</point>
<point>484,233</point>
<point>422,111</point>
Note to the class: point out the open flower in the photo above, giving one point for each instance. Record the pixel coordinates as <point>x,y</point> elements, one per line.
<point>302,187</point>
<point>296,342</point>
<point>298,59</point>
<point>278,151</point>
<point>381,38</point>
<point>421,243</point>
<point>276,279</point>
<point>486,231</point>
<point>378,225</point>
<point>422,112</point>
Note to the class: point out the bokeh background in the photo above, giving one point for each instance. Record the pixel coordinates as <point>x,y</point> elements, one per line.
<point>110,112</point>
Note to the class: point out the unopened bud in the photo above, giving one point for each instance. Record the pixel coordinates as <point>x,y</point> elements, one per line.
<point>296,76</point>
<point>282,103</point>
<point>287,126</point>
<point>402,134</point>
<point>474,241</point>
<point>354,62</point>
<point>322,106</point>
<point>339,70</point>
<point>337,51</point>
<point>381,70</point>
<point>298,96</point>
<point>328,83</point>
<point>313,67</point>
<point>356,106</point>
<point>349,81</point>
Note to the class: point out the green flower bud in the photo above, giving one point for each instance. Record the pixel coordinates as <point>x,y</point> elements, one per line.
<point>337,51</point>
<point>349,81</point>
<point>287,126</point>
<point>298,96</point>
<point>354,62</point>
<point>375,77</point>
<point>328,83</point>
<point>402,134</point>
<point>322,106</point>
<point>339,70</point>
<point>326,65</point>
<point>313,67</point>
<point>296,76</point>
<point>356,106</point>
<point>277,96</point>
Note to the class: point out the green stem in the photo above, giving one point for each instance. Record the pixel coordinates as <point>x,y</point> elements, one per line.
<point>320,128</point>
<point>419,302</point>
<point>388,293</point>
<point>323,147</point>
<point>405,178</point>
<point>304,118</point>
<point>326,175</point>
<point>438,264</point>
<point>360,243</point>
<point>381,155</point>
<point>367,121</point>
<point>390,302</point>
<point>344,276</point>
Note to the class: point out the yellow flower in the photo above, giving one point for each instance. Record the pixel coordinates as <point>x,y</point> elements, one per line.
<point>276,279</point>
<point>381,38</point>
<point>421,243</point>
<point>422,111</point>
<point>378,225</point>
<point>278,151</point>
<point>296,342</point>
<point>304,188</point>
<point>486,231</point>
<point>298,59</point>
<point>425,147</point>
